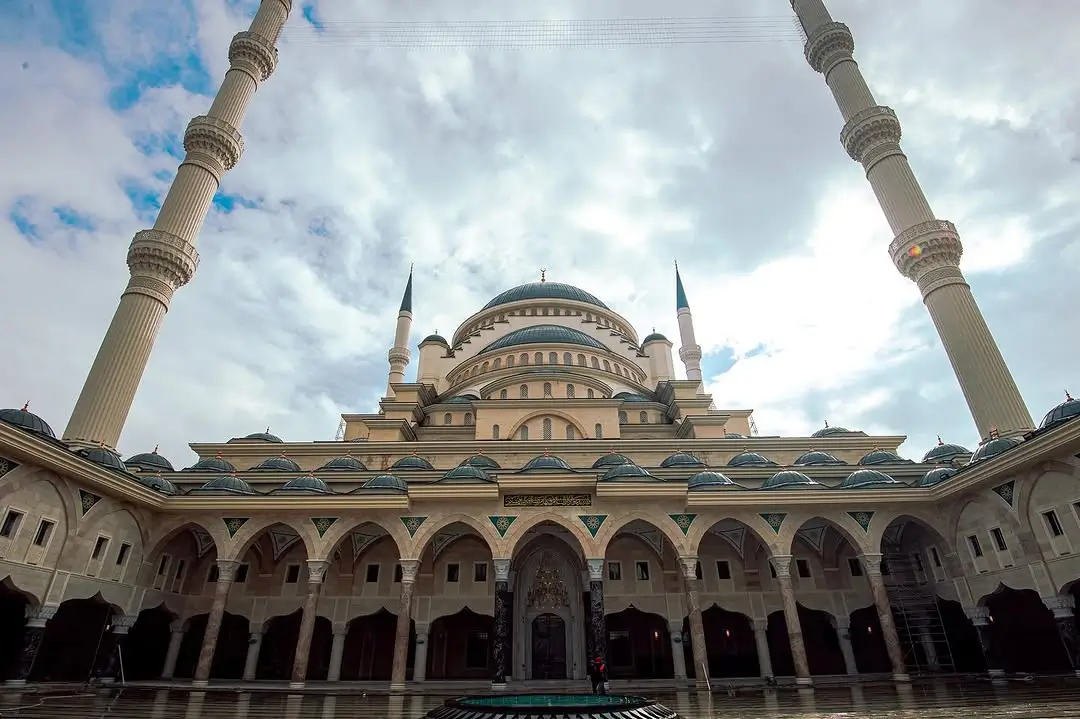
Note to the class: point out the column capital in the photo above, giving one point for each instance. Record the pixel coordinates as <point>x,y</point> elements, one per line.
<point>761,625</point>
<point>1061,605</point>
<point>39,616</point>
<point>212,144</point>
<point>596,569</point>
<point>830,45</point>
<point>227,570</point>
<point>123,623</point>
<point>979,616</point>
<point>253,54</point>
<point>340,629</point>
<point>871,564</point>
<point>782,564</point>
<point>317,570</point>
<point>689,566</point>
<point>163,256</point>
<point>871,135</point>
<point>409,570</point>
<point>178,626</point>
<point>843,624</point>
<point>502,569</point>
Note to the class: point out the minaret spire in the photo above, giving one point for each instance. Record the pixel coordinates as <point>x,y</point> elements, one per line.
<point>399,353</point>
<point>163,259</point>
<point>926,250</point>
<point>690,351</point>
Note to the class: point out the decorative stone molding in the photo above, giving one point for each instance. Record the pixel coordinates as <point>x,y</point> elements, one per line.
<point>40,616</point>
<point>979,616</point>
<point>400,355</point>
<point>830,45</point>
<point>178,626</point>
<point>871,564</point>
<point>162,256</point>
<point>254,54</point>
<point>690,353</point>
<point>409,570</point>
<point>213,144</point>
<point>782,564</point>
<point>124,623</point>
<point>689,567</point>
<point>761,625</point>
<point>502,570</point>
<point>316,570</point>
<point>937,259</point>
<point>1061,605</point>
<point>596,569</point>
<point>871,135</point>
<point>227,570</point>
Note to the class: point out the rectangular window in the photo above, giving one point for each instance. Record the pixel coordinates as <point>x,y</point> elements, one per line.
<point>803,568</point>
<point>476,650</point>
<point>614,571</point>
<point>999,539</point>
<point>854,566</point>
<point>163,565</point>
<point>976,546</point>
<point>641,569</point>
<point>44,532</point>
<point>723,569</point>
<point>371,574</point>
<point>479,572</point>
<point>453,572</point>
<point>11,524</point>
<point>99,548</point>
<point>292,574</point>
<point>917,559</point>
<point>122,555</point>
<point>397,574</point>
<point>1053,523</point>
<point>241,573</point>
<point>935,557</point>
<point>179,566</point>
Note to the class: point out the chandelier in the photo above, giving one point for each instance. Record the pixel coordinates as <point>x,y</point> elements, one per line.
<point>548,590</point>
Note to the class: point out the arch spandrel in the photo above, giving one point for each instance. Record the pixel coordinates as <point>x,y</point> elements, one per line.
<point>166,527</point>
<point>254,528</point>
<point>929,521</point>
<point>664,524</point>
<point>704,523</point>
<point>418,544</point>
<point>24,477</point>
<point>516,537</point>
<point>76,554</point>
<point>848,528</point>
<point>551,412</point>
<point>340,530</point>
<point>1025,488</point>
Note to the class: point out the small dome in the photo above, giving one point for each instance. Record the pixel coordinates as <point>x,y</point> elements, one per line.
<point>734,435</point>
<point>882,456</point>
<point>212,464</point>
<point>387,481</point>
<point>544,334</point>
<point>307,483</point>
<point>461,399</point>
<point>627,472</point>
<point>944,452</point>
<point>814,458</point>
<point>828,431</point>
<point>682,459</point>
<point>632,397</point>
<point>993,447</point>
<point>265,437</point>
<point>465,474</point>
<point>412,462</point>
<point>1058,415</point>
<point>230,483</point>
<point>26,420</point>
<point>610,459</point>
<point>278,464</point>
<point>158,484</point>
<point>345,464</point>
<point>865,478</point>
<point>544,291</point>
<point>710,480</point>
<point>788,478</point>
<point>937,475</point>
<point>479,460</point>
<point>150,462</point>
<point>654,337</point>
<point>750,459</point>
<point>435,338</point>
<point>546,463</point>
<point>104,457</point>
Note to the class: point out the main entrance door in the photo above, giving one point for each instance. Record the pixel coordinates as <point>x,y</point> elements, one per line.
<point>548,647</point>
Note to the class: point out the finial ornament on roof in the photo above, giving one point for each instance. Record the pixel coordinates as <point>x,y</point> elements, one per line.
<point>547,453</point>
<point>219,454</point>
<point>939,442</point>
<point>826,424</point>
<point>994,433</point>
<point>1068,398</point>
<point>26,405</point>
<point>155,449</point>
<point>543,274</point>
<point>268,429</point>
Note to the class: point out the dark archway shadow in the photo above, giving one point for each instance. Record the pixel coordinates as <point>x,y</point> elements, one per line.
<point>729,640</point>
<point>369,647</point>
<point>461,646</point>
<point>13,606</point>
<point>822,643</point>
<point>1026,633</point>
<point>143,652</point>
<point>639,645</point>
<point>71,642</point>
<point>963,638</point>
<point>277,654</point>
<point>867,642</point>
<point>231,652</point>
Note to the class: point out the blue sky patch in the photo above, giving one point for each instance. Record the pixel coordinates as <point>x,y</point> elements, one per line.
<point>226,203</point>
<point>165,71</point>
<point>717,363</point>
<point>73,218</point>
<point>21,219</point>
<point>146,201</point>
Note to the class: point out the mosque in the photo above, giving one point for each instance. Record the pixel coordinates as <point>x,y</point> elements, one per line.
<point>549,489</point>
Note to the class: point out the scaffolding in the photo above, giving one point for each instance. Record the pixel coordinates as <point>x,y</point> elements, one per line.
<point>919,624</point>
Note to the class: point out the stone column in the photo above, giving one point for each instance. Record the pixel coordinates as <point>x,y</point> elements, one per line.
<point>872,566</point>
<point>1065,618</point>
<point>163,259</point>
<point>251,661</point>
<point>782,565</point>
<point>111,651</point>
<point>697,627</point>
<point>409,568</point>
<point>678,654</point>
<point>337,651</point>
<point>176,639</point>
<point>316,571</point>
<point>419,670</point>
<point>929,650</point>
<point>926,250</point>
<point>761,641</point>
<point>502,651</point>
<point>34,631</point>
<point>226,575</point>
<point>843,632</point>
<point>597,617</point>
<point>980,617</point>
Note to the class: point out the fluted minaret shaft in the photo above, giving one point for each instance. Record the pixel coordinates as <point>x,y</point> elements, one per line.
<point>926,250</point>
<point>689,350</point>
<point>399,353</point>
<point>163,259</point>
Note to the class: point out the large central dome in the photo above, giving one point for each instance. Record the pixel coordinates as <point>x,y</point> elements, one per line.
<point>544,291</point>
<point>544,334</point>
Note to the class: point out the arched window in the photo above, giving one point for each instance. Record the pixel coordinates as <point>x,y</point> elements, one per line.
<point>538,358</point>
<point>570,391</point>
<point>502,394</point>
<point>567,358</point>
<point>510,361</point>
<point>591,394</point>
<point>523,391</point>
<point>468,419</point>
<point>547,428</point>
<point>643,417</point>
<point>570,433</point>
<point>494,431</point>
<point>547,389</point>
<point>553,358</point>
<point>623,419</point>
<point>581,360</point>
<point>496,363</point>
<point>485,367</point>
<point>524,433</point>
<point>607,366</point>
<point>524,358</point>
<point>475,371</point>
<point>598,430</point>
<point>595,363</point>
<point>447,418</point>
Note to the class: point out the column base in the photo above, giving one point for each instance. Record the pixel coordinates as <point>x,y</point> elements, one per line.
<point>296,685</point>
<point>804,681</point>
<point>15,683</point>
<point>397,688</point>
<point>200,683</point>
<point>498,686</point>
<point>901,678</point>
<point>246,678</point>
<point>996,673</point>
<point>700,683</point>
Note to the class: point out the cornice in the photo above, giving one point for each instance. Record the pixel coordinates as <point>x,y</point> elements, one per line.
<point>777,498</point>
<point>630,489</point>
<point>548,482</point>
<point>453,492</point>
<point>505,309</point>
<point>283,503</point>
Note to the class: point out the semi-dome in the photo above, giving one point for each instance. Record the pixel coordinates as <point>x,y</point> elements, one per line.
<point>230,484</point>
<point>815,458</point>
<point>345,464</point>
<point>654,337</point>
<point>710,480</point>
<point>461,399</point>
<point>945,452</point>
<point>1062,413</point>
<point>682,459</point>
<point>632,397</point>
<point>387,482</point>
<point>280,463</point>
<point>412,462</point>
<point>544,334</point>
<point>26,420</point>
<point>104,457</point>
<point>308,483</point>
<point>265,437</point>
<point>864,478</point>
<point>882,456</point>
<point>212,464</point>
<point>149,462</point>
<point>544,291</point>
<point>937,475</point>
<point>993,447</point>
<point>435,338</point>
<point>159,484</point>
<point>788,478</point>
<point>481,461</point>
<point>546,463</point>
<point>828,431</point>
<point>627,472</point>
<point>465,474</point>
<point>610,459</point>
<point>750,459</point>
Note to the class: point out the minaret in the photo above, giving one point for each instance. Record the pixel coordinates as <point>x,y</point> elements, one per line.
<point>399,353</point>
<point>926,250</point>
<point>690,351</point>
<point>163,259</point>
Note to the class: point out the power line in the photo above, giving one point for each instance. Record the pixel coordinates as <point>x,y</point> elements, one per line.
<point>517,34</point>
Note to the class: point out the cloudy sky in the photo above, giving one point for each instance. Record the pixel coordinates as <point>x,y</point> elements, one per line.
<point>481,166</point>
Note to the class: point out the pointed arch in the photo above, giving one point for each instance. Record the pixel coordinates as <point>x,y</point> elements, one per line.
<point>548,413</point>
<point>75,555</point>
<point>426,534</point>
<point>254,529</point>
<point>844,524</point>
<point>8,582</point>
<point>343,528</point>
<point>658,520</point>
<point>703,524</point>
<point>24,477</point>
<point>881,527</point>
<point>512,543</point>
<point>166,528</point>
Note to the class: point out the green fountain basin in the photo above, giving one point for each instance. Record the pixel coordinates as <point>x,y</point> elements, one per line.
<point>551,706</point>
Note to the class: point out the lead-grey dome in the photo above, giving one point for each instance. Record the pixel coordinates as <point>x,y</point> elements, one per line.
<point>611,458</point>
<point>27,420</point>
<point>945,452</point>
<point>865,478</point>
<point>547,463</point>
<point>104,457</point>
<point>544,334</point>
<point>750,459</point>
<point>544,291</point>
<point>882,456</point>
<point>387,482</point>
<point>627,472</point>
<point>345,464</point>
<point>815,458</point>
<point>149,462</point>
<point>265,437</point>
<point>992,448</point>
<point>158,484</point>
<point>412,462</point>
<point>229,484</point>
<point>828,431</point>
<point>308,484</point>
<point>682,459</point>
<point>479,460</point>
<point>788,478</point>
<point>435,338</point>
<point>466,474</point>
<point>1062,413</point>
<point>212,464</point>
<point>710,480</point>
<point>278,464</point>
<point>937,475</point>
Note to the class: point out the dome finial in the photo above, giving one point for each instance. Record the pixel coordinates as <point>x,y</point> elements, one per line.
<point>994,433</point>
<point>219,454</point>
<point>26,404</point>
<point>939,442</point>
<point>547,453</point>
<point>1068,398</point>
<point>826,424</point>
<point>155,449</point>
<point>543,274</point>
